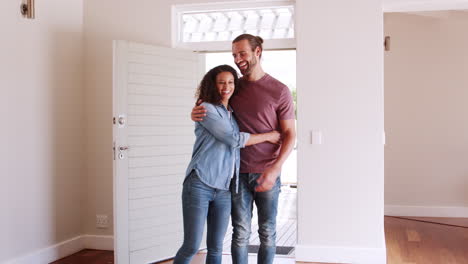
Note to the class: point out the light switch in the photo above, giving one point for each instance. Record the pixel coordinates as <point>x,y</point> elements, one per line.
<point>315,137</point>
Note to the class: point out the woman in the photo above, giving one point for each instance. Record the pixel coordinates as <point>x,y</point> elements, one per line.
<point>215,160</point>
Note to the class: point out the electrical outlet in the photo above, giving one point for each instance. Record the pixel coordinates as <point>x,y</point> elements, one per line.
<point>101,221</point>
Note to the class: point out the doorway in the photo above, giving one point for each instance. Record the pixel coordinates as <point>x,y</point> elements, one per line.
<point>425,116</point>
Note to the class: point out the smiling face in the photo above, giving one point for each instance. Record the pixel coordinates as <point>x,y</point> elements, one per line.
<point>225,86</point>
<point>245,59</point>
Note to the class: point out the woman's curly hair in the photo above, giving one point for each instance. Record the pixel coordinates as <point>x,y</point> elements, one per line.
<point>207,91</point>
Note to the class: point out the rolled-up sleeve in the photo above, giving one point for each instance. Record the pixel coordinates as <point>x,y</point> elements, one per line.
<point>222,129</point>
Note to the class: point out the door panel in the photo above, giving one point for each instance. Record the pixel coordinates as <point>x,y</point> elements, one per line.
<point>153,93</point>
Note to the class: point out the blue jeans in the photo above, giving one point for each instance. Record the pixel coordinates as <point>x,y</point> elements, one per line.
<point>199,203</point>
<point>267,208</point>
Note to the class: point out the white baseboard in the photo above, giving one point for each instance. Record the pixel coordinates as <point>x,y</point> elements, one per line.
<point>426,211</point>
<point>65,248</point>
<point>307,253</point>
<point>98,242</point>
<point>52,253</point>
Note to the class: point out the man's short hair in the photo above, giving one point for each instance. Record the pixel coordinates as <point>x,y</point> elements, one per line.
<point>254,41</point>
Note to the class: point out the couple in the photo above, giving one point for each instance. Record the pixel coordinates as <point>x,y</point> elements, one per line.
<point>220,177</point>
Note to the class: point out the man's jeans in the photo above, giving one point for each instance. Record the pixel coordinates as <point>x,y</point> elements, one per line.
<point>267,207</point>
<point>201,202</point>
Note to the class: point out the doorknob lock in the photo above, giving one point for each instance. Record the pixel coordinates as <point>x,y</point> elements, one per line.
<point>121,120</point>
<point>124,148</point>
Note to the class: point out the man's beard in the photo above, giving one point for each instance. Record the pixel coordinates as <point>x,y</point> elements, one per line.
<point>250,65</point>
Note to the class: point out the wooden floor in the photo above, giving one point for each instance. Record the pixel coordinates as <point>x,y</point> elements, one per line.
<point>462,222</point>
<point>89,256</point>
<point>416,242</point>
<point>408,242</point>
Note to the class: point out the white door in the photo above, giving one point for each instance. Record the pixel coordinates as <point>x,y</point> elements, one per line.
<point>153,94</point>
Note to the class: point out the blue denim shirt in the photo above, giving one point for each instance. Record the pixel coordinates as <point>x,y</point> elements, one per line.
<point>216,153</point>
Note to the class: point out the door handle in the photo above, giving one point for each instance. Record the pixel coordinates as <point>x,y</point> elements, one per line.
<point>122,148</point>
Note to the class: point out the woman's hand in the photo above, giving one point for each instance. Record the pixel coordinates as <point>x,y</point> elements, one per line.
<point>274,137</point>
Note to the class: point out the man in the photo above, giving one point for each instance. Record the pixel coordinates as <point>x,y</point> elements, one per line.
<point>262,104</point>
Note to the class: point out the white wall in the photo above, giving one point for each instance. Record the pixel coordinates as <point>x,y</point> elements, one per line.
<point>340,93</point>
<point>426,114</point>
<point>42,126</point>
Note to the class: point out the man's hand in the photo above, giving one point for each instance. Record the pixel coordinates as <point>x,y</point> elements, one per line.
<point>267,180</point>
<point>198,112</point>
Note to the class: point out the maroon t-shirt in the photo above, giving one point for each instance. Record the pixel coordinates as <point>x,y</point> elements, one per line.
<point>258,107</point>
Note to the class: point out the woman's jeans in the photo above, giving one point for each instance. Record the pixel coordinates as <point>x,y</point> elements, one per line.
<point>267,208</point>
<point>201,202</point>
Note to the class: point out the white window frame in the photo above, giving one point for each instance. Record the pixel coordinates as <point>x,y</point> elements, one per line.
<point>213,46</point>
